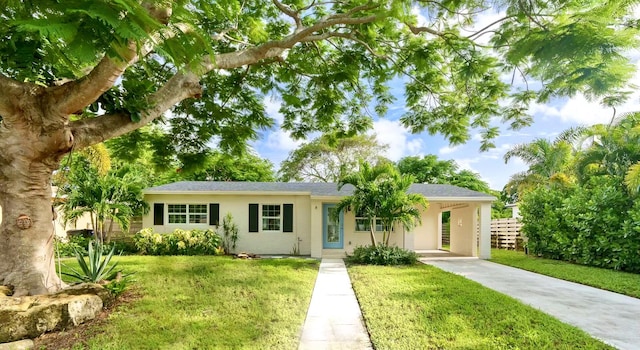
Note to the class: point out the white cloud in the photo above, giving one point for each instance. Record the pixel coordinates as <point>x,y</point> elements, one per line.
<point>393,134</point>
<point>272,108</point>
<point>282,140</point>
<point>448,149</point>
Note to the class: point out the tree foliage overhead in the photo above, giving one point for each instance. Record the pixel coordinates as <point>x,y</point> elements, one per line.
<point>330,157</point>
<point>327,62</point>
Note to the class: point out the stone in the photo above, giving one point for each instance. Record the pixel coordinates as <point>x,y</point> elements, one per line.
<point>31,316</point>
<point>5,291</point>
<point>26,344</point>
<point>89,288</point>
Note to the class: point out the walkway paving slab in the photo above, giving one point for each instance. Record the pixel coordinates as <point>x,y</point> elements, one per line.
<point>334,320</point>
<point>611,317</point>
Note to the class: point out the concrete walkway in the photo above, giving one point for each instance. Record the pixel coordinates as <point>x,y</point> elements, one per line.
<point>334,320</point>
<point>610,317</point>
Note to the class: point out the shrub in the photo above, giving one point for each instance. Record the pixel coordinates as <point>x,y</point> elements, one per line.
<point>229,234</point>
<point>68,247</point>
<point>180,242</point>
<point>97,269</point>
<point>382,255</point>
<point>593,224</point>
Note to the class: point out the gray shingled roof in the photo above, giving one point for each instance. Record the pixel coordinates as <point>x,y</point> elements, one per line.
<point>315,189</point>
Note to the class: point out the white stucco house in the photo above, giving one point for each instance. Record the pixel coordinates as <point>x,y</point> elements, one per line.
<point>275,217</point>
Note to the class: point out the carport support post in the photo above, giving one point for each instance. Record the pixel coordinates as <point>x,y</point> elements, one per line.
<point>485,231</point>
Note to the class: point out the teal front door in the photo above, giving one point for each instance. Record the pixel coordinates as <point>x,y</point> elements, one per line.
<point>332,231</point>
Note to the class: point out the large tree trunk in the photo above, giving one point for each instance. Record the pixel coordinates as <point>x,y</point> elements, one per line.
<point>32,144</point>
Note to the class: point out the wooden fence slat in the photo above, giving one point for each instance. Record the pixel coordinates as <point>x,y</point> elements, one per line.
<point>505,234</point>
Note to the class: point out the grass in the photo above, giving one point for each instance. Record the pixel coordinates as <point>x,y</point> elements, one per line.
<point>615,281</point>
<point>422,307</point>
<point>206,302</point>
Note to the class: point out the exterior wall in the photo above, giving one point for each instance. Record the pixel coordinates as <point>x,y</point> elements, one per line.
<point>463,231</point>
<point>308,225</point>
<point>425,235</point>
<point>484,249</point>
<point>238,205</point>
<point>316,227</point>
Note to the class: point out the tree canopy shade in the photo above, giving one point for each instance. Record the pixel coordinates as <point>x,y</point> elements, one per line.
<point>330,157</point>
<point>79,72</point>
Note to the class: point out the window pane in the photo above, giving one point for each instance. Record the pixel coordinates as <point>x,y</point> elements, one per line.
<point>177,218</point>
<point>271,217</point>
<point>177,208</point>
<point>197,208</point>
<point>270,210</point>
<point>270,224</point>
<point>362,224</point>
<point>197,218</point>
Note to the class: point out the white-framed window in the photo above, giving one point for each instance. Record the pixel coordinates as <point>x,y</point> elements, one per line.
<point>271,217</point>
<point>363,224</point>
<point>187,213</point>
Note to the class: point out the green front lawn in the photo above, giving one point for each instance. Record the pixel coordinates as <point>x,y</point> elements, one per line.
<point>422,307</point>
<point>205,302</point>
<point>615,281</point>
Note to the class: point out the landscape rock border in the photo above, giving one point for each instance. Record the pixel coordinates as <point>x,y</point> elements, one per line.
<point>28,317</point>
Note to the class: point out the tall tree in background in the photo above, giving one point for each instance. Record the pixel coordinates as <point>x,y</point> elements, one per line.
<point>329,157</point>
<point>227,167</point>
<point>76,73</point>
<point>428,169</point>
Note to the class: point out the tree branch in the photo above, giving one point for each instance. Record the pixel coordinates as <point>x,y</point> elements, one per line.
<point>185,85</point>
<point>418,30</point>
<point>90,131</point>
<point>276,48</point>
<point>9,91</point>
<point>289,12</point>
<point>73,96</point>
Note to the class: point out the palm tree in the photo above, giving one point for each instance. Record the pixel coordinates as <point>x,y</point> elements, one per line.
<point>114,196</point>
<point>549,163</point>
<point>380,192</point>
<point>613,150</point>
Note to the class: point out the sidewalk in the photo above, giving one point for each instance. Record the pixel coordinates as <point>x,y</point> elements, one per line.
<point>334,320</point>
<point>611,317</point>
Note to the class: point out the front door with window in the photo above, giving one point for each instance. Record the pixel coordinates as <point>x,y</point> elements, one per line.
<point>332,231</point>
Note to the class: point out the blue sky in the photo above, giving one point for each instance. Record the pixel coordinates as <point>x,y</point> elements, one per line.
<point>549,120</point>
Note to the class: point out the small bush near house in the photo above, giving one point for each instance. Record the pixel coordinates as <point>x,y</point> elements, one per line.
<point>229,234</point>
<point>180,242</point>
<point>68,247</point>
<point>382,255</point>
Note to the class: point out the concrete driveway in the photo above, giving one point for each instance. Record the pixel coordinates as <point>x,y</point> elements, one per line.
<point>610,317</point>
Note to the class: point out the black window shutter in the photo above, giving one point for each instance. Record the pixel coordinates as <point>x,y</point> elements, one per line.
<point>214,214</point>
<point>158,213</point>
<point>253,217</point>
<point>287,217</point>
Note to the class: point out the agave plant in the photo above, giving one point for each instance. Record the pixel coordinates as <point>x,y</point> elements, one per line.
<point>97,269</point>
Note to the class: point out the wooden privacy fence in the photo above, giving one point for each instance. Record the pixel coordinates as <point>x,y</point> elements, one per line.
<point>505,234</point>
